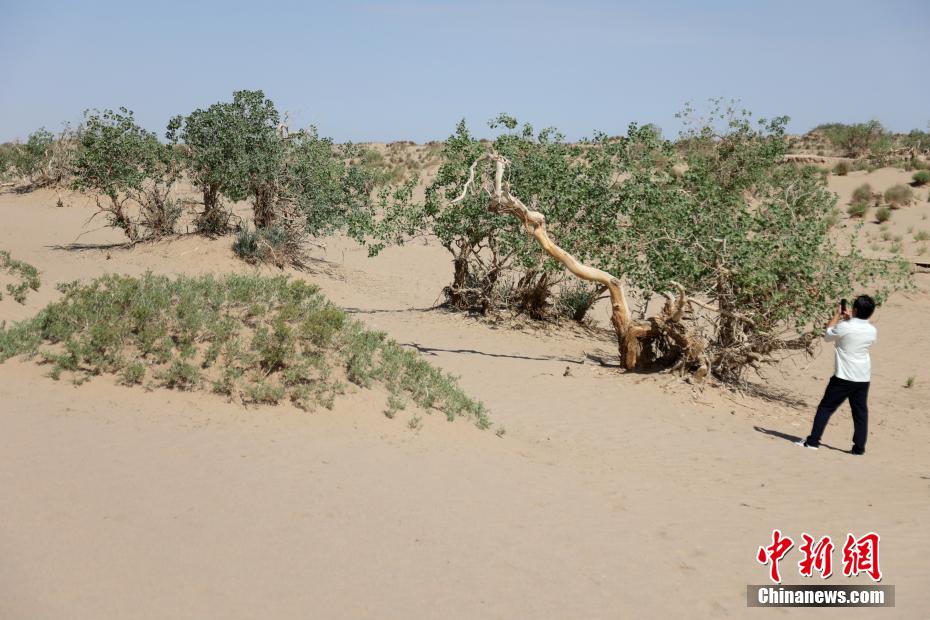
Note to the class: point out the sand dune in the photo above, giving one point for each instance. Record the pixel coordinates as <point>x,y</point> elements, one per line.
<point>611,495</point>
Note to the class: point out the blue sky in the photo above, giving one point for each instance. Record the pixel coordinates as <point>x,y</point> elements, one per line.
<point>367,70</point>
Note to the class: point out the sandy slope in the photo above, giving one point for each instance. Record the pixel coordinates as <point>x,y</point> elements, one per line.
<point>610,495</point>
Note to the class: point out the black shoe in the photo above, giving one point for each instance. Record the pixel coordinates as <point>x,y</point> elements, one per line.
<point>857,451</point>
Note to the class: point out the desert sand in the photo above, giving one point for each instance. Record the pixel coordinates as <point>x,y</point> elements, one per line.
<point>610,495</point>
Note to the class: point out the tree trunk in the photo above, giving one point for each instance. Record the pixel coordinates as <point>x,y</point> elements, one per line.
<point>264,207</point>
<point>666,335</point>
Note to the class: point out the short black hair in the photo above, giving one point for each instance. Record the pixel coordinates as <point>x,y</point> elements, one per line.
<point>864,307</point>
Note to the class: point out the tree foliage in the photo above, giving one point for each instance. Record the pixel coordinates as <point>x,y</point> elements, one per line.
<point>299,183</point>
<point>858,139</point>
<point>718,212</point>
<point>42,160</point>
<point>495,265</point>
<point>131,170</point>
<point>233,149</point>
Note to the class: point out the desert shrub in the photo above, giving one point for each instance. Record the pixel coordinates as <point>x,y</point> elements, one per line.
<point>863,193</point>
<point>493,265</point>
<point>883,214</point>
<point>26,275</point>
<point>841,169</point>
<point>858,209</point>
<point>750,230</point>
<point>325,191</point>
<point>274,245</point>
<point>295,180</point>
<point>737,223</point>
<point>921,177</point>
<point>255,338</point>
<point>917,140</point>
<point>42,160</point>
<point>576,298</point>
<point>922,235</point>
<point>899,195</point>
<point>856,139</point>
<point>31,158</point>
<point>126,164</point>
<point>233,149</point>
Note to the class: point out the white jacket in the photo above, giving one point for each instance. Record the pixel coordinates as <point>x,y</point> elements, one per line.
<point>853,339</point>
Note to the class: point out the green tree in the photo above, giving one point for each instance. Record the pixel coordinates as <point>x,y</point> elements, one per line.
<point>329,192</point>
<point>31,158</point>
<point>857,139</point>
<point>124,164</point>
<point>718,216</point>
<point>495,265</point>
<point>235,150</point>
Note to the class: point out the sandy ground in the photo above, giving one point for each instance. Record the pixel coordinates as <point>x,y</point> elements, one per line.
<point>610,495</point>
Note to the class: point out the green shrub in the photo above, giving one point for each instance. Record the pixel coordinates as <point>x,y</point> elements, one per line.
<point>883,214</point>
<point>863,193</point>
<point>275,245</point>
<point>124,162</point>
<point>923,235</point>
<point>858,209</point>
<point>857,139</point>
<point>261,339</point>
<point>241,150</point>
<point>921,177</point>
<point>841,169</point>
<point>898,195</point>
<point>32,157</point>
<point>133,373</point>
<point>576,298</point>
<point>26,274</point>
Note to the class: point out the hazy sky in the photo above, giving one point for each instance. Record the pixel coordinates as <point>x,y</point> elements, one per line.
<point>410,70</point>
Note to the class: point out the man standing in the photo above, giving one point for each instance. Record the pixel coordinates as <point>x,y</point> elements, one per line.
<point>853,336</point>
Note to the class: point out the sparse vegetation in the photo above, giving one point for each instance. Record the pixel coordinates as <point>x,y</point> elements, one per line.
<point>26,275</point>
<point>862,194</point>
<point>909,382</point>
<point>256,339</point>
<point>883,214</point>
<point>717,211</point>
<point>274,245</point>
<point>921,177</point>
<point>855,139</point>
<point>858,209</point>
<point>922,235</point>
<point>42,160</point>
<point>899,195</point>
<point>841,169</point>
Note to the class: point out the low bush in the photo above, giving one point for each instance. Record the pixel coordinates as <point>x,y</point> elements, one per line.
<point>275,245</point>
<point>899,195</point>
<point>858,209</point>
<point>27,277</point>
<point>42,160</point>
<point>576,298</point>
<point>841,169</point>
<point>921,177</point>
<point>883,214</point>
<point>863,193</point>
<point>258,339</point>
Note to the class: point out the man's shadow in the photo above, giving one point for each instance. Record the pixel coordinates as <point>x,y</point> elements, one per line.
<point>794,439</point>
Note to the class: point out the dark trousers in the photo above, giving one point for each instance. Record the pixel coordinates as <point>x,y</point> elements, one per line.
<point>837,391</point>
